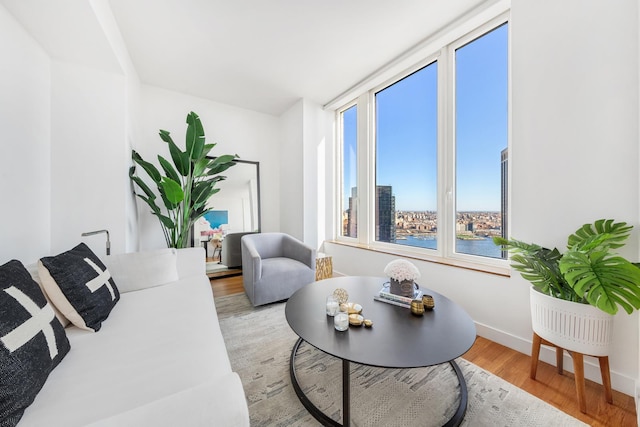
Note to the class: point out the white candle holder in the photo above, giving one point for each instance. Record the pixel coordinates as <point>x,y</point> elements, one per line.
<point>341,321</point>
<point>332,306</point>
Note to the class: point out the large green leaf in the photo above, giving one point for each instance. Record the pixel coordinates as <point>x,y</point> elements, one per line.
<point>145,188</point>
<point>200,167</point>
<point>150,169</point>
<point>168,169</point>
<point>607,281</point>
<point>201,191</point>
<point>207,148</point>
<point>149,201</point>
<point>180,158</point>
<point>539,266</point>
<point>603,232</point>
<point>172,190</point>
<point>195,137</point>
<point>221,164</point>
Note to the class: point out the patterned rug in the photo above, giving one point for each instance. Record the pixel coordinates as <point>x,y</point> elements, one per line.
<point>259,343</point>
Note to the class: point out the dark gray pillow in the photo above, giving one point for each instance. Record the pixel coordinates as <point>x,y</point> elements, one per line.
<point>32,341</point>
<point>80,286</point>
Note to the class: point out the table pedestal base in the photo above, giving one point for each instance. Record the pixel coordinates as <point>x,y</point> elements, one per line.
<point>323,418</point>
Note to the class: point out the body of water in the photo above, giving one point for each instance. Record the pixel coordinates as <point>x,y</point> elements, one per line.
<point>481,247</point>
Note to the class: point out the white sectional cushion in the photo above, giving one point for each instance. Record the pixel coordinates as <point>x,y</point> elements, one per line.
<point>159,342</point>
<point>141,270</point>
<point>190,262</point>
<point>194,407</point>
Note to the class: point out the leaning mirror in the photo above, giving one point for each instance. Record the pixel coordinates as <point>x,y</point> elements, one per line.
<point>235,210</point>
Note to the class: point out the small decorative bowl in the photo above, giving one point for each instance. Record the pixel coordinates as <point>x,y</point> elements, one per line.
<point>428,302</point>
<point>351,308</point>
<point>355,319</point>
<point>417,307</point>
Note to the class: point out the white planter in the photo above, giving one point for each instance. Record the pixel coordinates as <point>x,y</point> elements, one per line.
<point>577,327</point>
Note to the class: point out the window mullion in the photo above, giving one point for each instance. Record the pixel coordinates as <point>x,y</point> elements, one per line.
<point>446,154</point>
<point>365,148</point>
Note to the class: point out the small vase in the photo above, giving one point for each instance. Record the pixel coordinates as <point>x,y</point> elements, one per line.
<point>404,288</point>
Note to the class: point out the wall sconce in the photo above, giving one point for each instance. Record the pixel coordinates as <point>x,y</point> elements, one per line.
<point>91,233</point>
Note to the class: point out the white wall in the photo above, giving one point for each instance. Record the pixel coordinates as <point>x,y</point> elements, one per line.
<point>253,136</point>
<point>574,159</point>
<point>575,128</point>
<point>111,31</point>
<point>314,162</point>
<point>25,222</point>
<point>302,175</point>
<point>88,171</point>
<point>291,171</point>
<point>72,124</point>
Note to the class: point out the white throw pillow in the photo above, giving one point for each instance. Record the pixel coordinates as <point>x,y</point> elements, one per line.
<point>141,270</point>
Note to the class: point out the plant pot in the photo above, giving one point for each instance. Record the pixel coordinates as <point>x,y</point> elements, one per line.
<point>573,326</point>
<point>404,288</point>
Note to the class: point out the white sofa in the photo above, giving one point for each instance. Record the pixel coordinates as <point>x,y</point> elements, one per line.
<point>159,359</point>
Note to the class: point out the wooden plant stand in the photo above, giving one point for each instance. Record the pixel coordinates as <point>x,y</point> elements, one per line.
<point>578,367</point>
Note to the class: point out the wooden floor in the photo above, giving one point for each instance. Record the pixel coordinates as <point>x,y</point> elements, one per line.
<point>512,366</point>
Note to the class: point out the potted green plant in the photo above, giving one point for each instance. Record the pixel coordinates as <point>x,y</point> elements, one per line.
<point>187,185</point>
<point>576,293</point>
<point>589,272</point>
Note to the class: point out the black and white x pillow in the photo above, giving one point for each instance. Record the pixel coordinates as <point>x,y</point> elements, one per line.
<point>80,286</point>
<point>32,341</point>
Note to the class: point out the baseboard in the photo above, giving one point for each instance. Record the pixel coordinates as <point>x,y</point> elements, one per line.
<point>619,382</point>
<point>637,396</point>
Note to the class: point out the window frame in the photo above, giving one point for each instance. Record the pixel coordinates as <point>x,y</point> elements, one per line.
<point>340,163</point>
<point>443,52</point>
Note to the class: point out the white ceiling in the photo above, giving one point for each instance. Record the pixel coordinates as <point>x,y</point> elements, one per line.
<point>262,55</point>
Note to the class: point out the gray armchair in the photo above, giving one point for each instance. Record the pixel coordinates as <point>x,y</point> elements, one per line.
<point>231,252</point>
<point>274,266</point>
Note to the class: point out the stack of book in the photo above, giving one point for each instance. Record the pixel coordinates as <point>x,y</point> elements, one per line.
<point>385,296</point>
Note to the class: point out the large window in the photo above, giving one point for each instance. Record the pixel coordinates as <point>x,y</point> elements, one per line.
<point>437,152</point>
<point>481,124</point>
<point>406,160</point>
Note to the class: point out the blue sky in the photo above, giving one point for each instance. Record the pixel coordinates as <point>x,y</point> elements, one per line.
<point>407,133</point>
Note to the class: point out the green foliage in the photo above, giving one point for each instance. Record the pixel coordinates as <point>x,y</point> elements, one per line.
<point>589,271</point>
<point>187,185</point>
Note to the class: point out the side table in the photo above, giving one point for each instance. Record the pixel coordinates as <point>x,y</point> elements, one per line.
<point>324,266</point>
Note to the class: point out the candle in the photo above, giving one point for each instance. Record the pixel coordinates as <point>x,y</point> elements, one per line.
<point>341,321</point>
<point>332,306</point>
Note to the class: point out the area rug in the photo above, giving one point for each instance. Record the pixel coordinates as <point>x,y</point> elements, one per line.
<point>259,343</point>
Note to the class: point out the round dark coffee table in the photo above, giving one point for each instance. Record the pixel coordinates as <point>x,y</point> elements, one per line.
<point>397,339</point>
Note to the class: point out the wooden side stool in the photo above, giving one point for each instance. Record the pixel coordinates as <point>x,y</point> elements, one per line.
<point>578,367</point>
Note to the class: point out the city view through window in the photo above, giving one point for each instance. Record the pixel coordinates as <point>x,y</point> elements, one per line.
<point>406,191</point>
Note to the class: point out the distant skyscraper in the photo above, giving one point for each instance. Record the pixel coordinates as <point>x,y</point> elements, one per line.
<point>352,215</point>
<point>385,214</point>
<point>504,193</point>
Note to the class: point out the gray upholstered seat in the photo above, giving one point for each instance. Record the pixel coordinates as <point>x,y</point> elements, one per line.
<point>274,266</point>
<point>231,252</point>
